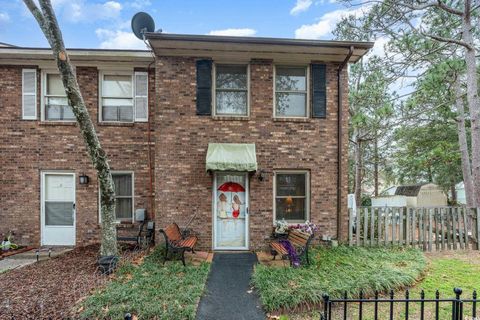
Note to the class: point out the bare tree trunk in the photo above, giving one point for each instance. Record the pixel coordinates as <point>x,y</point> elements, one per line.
<point>430,173</point>
<point>49,25</point>
<point>375,166</point>
<point>473,100</point>
<point>358,169</point>
<point>453,191</point>
<point>462,142</point>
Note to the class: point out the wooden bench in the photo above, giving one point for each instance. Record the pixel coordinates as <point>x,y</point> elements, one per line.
<point>300,241</point>
<point>176,242</point>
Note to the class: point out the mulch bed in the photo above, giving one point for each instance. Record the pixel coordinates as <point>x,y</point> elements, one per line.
<point>49,289</point>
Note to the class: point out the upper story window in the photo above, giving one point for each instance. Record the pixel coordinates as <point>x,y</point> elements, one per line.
<point>29,94</point>
<point>55,103</point>
<point>231,90</point>
<point>291,91</point>
<point>292,195</point>
<point>117,97</point>
<point>124,96</point>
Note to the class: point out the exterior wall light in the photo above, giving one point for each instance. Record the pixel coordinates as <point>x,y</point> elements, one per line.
<point>84,179</point>
<point>261,175</point>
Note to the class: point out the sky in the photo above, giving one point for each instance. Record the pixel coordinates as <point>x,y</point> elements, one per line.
<point>106,23</point>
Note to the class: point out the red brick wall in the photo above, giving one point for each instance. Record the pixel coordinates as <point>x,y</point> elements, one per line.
<point>29,147</point>
<point>182,183</point>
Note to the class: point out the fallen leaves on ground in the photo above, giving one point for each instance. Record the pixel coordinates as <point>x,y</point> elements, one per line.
<point>49,289</point>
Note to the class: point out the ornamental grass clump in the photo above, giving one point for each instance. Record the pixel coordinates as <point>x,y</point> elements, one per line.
<point>335,271</point>
<point>150,290</point>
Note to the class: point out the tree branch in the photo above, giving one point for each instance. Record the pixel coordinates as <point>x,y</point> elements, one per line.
<point>449,40</point>
<point>437,4</point>
<point>37,14</point>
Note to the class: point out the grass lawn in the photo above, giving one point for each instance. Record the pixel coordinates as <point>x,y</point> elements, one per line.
<point>444,271</point>
<point>447,270</point>
<point>334,271</point>
<point>149,291</point>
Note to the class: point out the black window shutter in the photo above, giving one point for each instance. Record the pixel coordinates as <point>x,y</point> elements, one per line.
<point>204,87</point>
<point>319,95</point>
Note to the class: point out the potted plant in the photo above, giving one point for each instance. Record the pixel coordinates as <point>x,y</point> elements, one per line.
<point>307,227</point>
<point>7,243</point>
<point>280,230</point>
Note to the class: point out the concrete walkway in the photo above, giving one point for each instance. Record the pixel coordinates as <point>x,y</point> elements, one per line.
<point>229,294</point>
<point>28,257</point>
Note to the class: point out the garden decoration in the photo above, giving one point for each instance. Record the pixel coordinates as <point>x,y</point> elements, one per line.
<point>281,226</point>
<point>7,243</point>
<point>107,264</point>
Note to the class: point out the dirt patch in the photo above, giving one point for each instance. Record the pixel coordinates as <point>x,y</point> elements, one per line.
<point>49,289</point>
<point>266,258</point>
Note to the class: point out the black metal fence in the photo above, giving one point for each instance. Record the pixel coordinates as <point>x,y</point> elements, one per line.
<point>390,307</point>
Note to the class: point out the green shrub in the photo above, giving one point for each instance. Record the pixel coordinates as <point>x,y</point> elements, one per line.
<point>149,291</point>
<point>338,270</point>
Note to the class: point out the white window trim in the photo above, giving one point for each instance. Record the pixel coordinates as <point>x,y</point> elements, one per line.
<point>307,100</point>
<point>139,96</point>
<point>24,117</point>
<point>214,90</point>
<point>44,74</point>
<point>133,197</point>
<point>101,74</point>
<point>307,194</point>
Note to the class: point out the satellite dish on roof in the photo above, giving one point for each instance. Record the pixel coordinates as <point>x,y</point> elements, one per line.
<point>141,23</point>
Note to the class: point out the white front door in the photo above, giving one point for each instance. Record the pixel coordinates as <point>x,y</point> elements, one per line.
<point>230,211</point>
<point>58,209</point>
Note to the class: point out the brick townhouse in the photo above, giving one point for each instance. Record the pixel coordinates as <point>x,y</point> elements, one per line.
<point>236,132</point>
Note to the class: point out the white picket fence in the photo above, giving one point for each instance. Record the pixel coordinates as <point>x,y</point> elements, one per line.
<point>439,228</point>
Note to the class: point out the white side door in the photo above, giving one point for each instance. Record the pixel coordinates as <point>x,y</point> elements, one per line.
<point>58,208</point>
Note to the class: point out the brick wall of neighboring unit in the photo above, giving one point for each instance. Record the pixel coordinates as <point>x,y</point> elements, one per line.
<point>182,185</point>
<point>29,147</point>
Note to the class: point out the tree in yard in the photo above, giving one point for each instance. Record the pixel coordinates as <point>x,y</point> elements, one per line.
<point>370,108</point>
<point>437,26</point>
<point>47,21</point>
<point>432,145</point>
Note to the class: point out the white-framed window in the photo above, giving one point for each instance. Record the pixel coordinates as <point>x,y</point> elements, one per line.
<point>291,92</point>
<point>124,196</point>
<point>141,96</point>
<point>54,99</point>
<point>123,96</point>
<point>29,94</point>
<point>231,89</point>
<point>291,195</point>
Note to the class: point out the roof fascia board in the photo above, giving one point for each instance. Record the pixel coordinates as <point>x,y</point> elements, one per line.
<point>259,40</point>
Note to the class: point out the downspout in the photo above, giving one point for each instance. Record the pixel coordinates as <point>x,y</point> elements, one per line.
<point>149,134</point>
<point>340,142</point>
<point>149,138</point>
